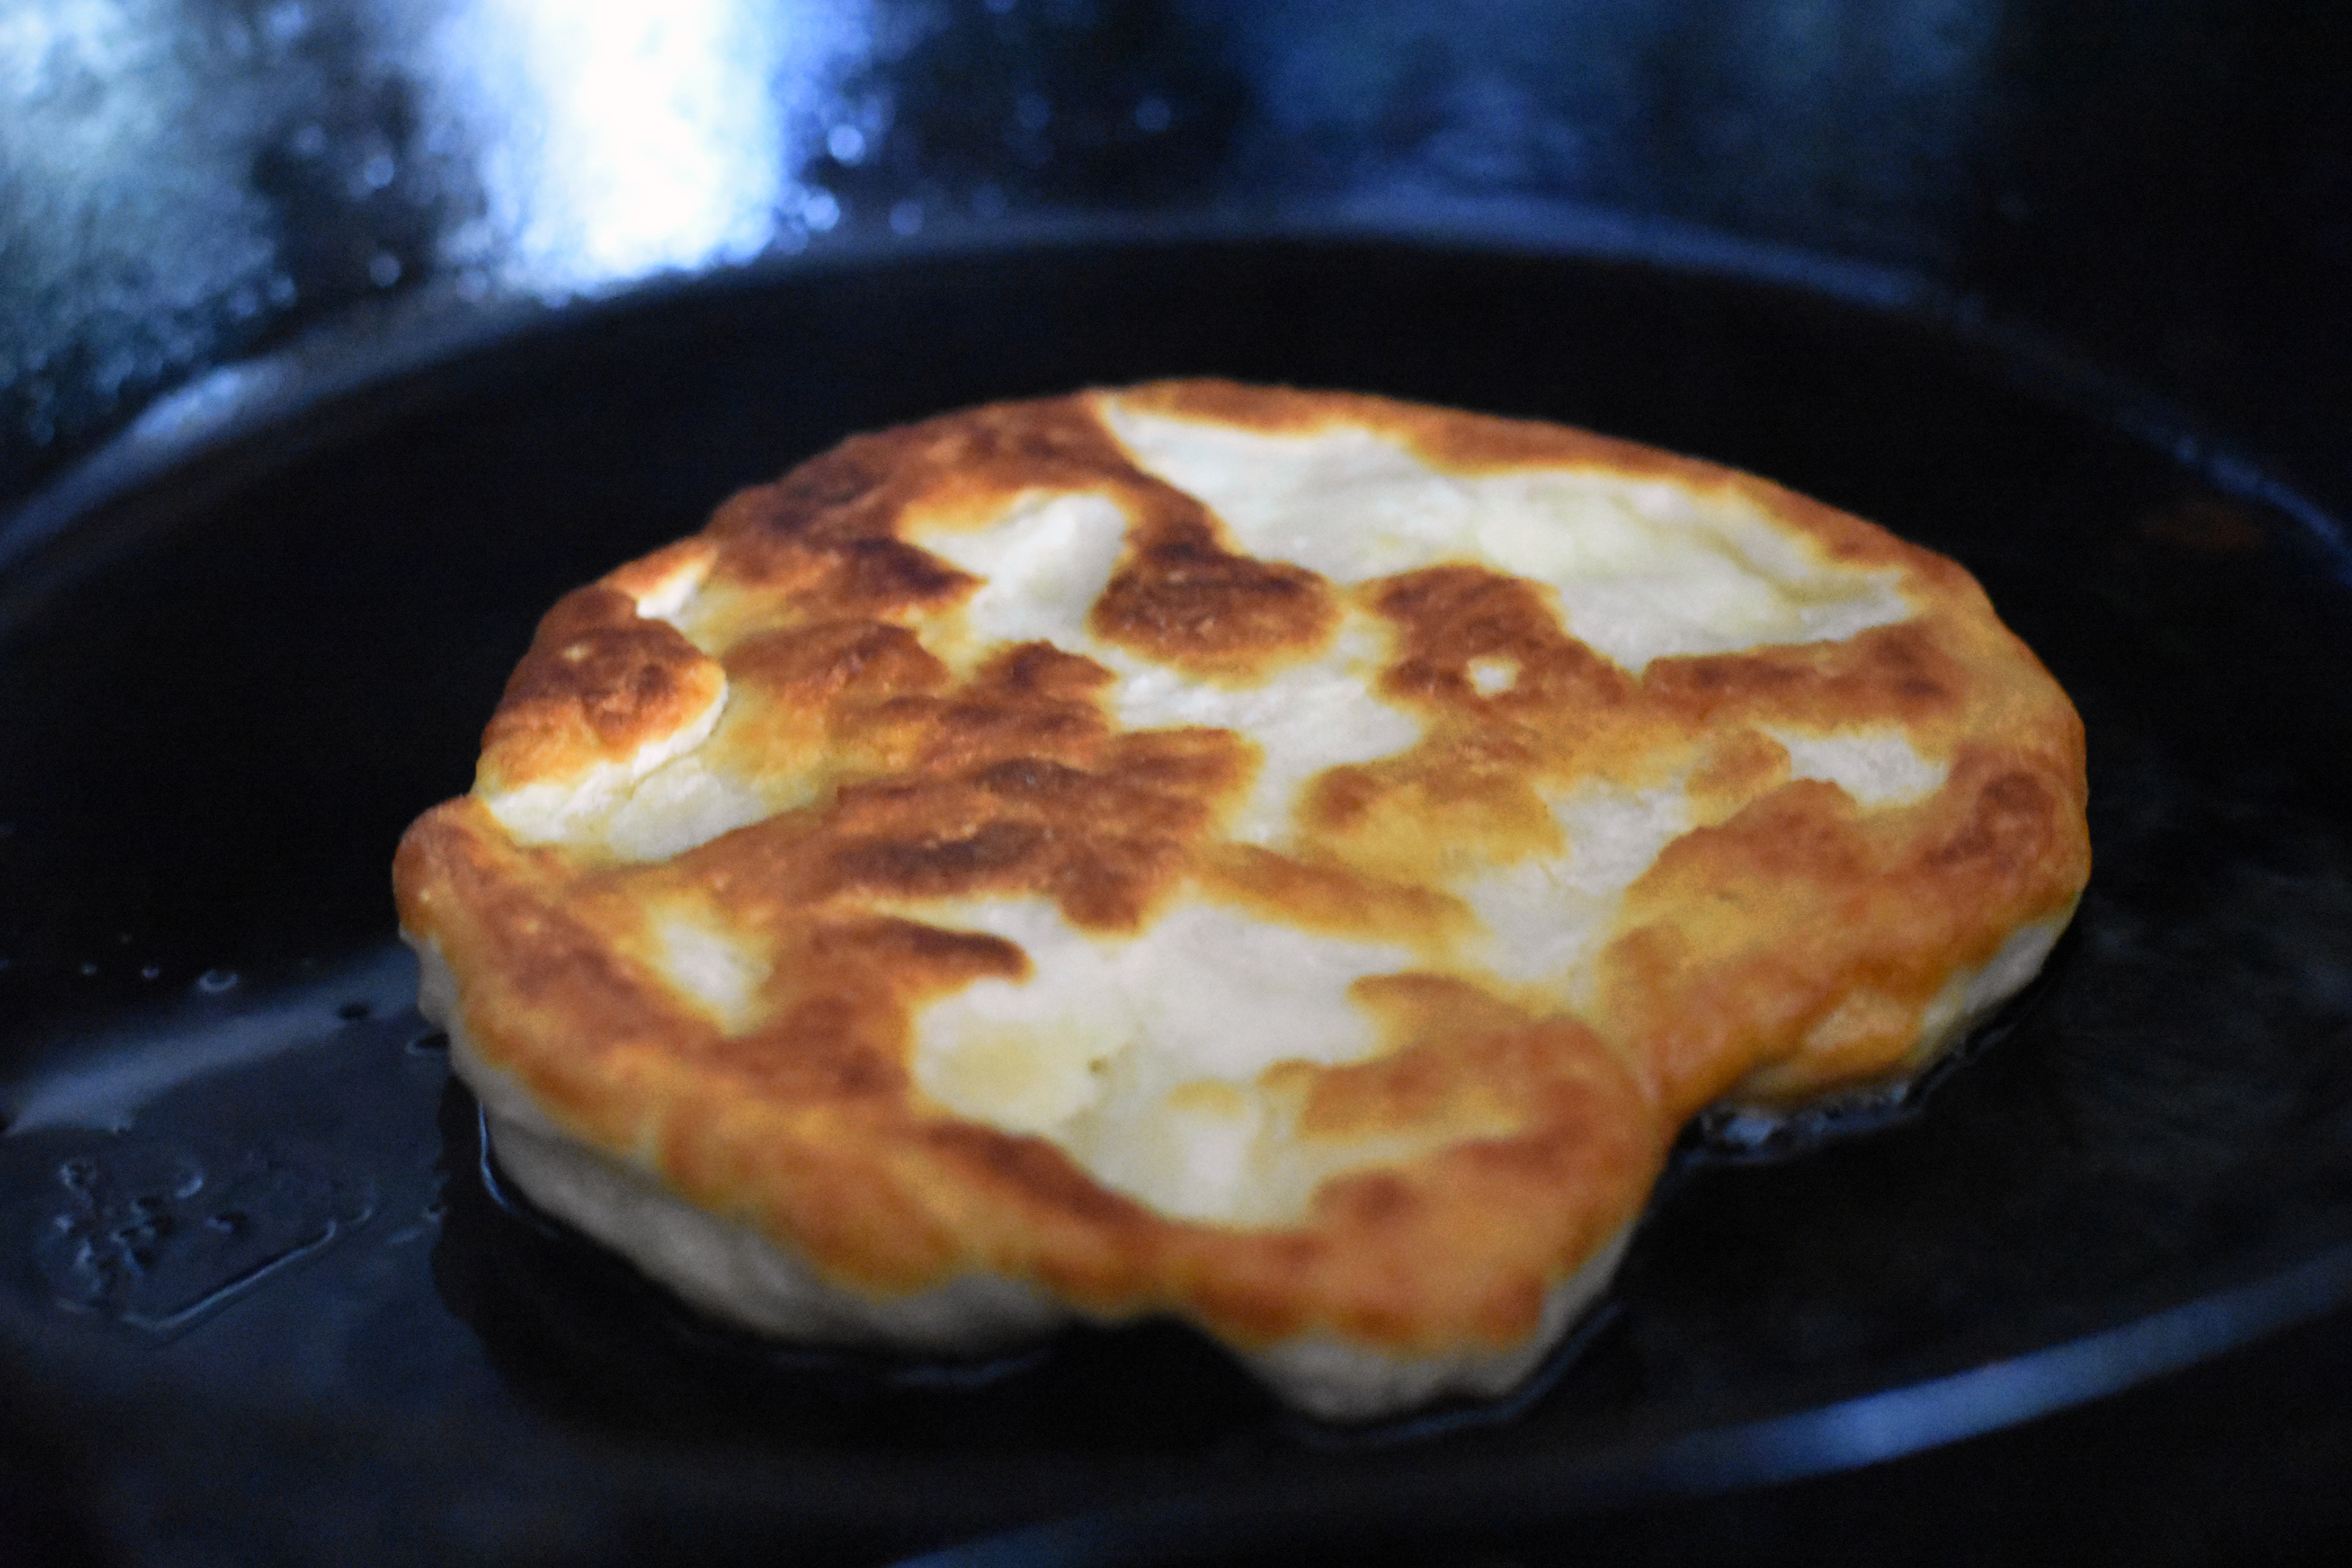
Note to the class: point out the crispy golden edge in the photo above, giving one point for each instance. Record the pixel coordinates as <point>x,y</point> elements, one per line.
<point>598,682</point>
<point>1733,951</point>
<point>808,1129</point>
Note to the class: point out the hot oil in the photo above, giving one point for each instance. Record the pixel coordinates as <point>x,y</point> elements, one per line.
<point>184,1174</point>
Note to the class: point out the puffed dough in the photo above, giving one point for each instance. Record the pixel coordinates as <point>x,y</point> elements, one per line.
<point>1289,860</point>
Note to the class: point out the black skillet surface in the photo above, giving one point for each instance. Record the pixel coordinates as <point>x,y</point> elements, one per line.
<point>259,1304</point>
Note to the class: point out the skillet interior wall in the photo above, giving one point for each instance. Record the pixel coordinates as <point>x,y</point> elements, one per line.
<point>192,184</point>
<point>196,186</point>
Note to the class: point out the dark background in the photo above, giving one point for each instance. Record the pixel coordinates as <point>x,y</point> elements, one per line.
<point>216,214</point>
<point>185,184</point>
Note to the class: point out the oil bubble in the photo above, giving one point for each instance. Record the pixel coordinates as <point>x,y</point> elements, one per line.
<point>155,1237</point>
<point>213,982</point>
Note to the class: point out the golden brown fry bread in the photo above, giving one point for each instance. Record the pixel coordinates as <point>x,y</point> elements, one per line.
<point>1289,860</point>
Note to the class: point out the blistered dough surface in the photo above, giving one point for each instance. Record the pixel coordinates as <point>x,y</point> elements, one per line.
<point>1288,859</point>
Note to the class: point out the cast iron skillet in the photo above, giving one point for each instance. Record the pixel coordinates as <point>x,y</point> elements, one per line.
<point>262,1302</point>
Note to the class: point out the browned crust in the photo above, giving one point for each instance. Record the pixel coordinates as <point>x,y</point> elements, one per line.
<point>1783,949</point>
<point>1468,443</point>
<point>597,683</point>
